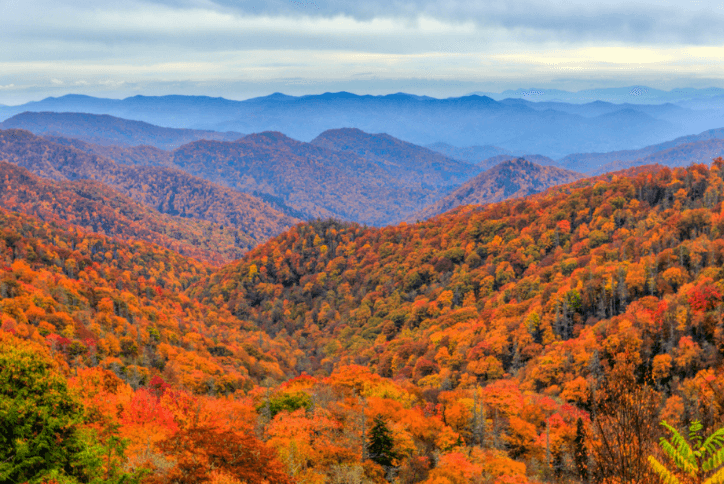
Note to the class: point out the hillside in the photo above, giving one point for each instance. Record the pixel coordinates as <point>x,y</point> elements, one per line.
<point>511,343</point>
<point>109,130</point>
<point>314,180</point>
<point>142,155</point>
<point>404,161</point>
<point>579,289</point>
<point>119,305</point>
<point>97,208</point>
<point>248,219</point>
<point>510,179</point>
<point>498,265</point>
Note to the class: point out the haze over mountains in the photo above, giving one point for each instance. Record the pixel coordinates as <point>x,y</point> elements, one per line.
<point>697,148</point>
<point>109,130</point>
<point>348,174</point>
<point>343,173</point>
<point>507,180</point>
<point>519,126</point>
<point>619,95</point>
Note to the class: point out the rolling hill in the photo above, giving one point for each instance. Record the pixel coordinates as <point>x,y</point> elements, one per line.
<point>167,190</point>
<point>510,179</point>
<point>404,161</point>
<point>97,208</point>
<point>317,181</point>
<point>504,343</point>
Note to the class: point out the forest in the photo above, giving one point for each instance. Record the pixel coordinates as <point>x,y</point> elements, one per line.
<point>537,340</point>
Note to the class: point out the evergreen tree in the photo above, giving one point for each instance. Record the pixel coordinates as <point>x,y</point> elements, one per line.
<point>41,432</point>
<point>380,446</point>
<point>39,420</point>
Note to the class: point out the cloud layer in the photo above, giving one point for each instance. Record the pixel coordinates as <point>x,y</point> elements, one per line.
<point>122,47</point>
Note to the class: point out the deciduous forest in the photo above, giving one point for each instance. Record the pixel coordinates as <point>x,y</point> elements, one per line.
<point>537,340</point>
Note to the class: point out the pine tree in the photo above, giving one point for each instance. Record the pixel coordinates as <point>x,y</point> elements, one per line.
<point>380,446</point>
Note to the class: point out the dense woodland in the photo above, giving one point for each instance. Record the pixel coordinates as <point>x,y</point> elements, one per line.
<point>248,219</point>
<point>98,208</point>
<point>315,180</point>
<point>407,162</point>
<point>534,340</point>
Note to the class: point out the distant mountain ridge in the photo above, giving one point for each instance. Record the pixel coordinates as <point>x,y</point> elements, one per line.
<point>470,154</point>
<point>462,121</point>
<point>109,130</point>
<point>596,163</point>
<point>630,94</point>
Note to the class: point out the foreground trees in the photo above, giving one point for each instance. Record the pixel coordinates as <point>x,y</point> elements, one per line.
<point>42,432</point>
<point>696,459</point>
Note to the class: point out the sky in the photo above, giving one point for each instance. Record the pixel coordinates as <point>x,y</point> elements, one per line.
<point>240,49</point>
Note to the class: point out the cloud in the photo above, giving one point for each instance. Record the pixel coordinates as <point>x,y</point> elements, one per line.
<point>124,47</point>
<point>668,21</point>
<point>108,23</point>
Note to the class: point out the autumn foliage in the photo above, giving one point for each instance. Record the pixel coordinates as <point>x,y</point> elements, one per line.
<point>536,340</point>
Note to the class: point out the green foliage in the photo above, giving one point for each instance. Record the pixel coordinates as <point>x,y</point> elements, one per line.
<point>41,433</point>
<point>695,459</point>
<point>287,402</point>
<point>380,445</point>
<point>39,419</point>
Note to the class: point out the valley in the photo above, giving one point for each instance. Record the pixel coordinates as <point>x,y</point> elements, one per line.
<point>341,305</point>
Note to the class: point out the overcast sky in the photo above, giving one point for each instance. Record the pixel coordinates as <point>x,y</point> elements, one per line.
<point>240,49</point>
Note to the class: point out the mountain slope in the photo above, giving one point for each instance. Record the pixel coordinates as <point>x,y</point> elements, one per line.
<point>504,288</point>
<point>314,180</point>
<point>680,155</point>
<point>98,208</point>
<point>143,155</point>
<point>109,130</point>
<point>510,179</point>
<point>595,162</point>
<point>405,161</point>
<point>97,301</point>
<point>167,190</point>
